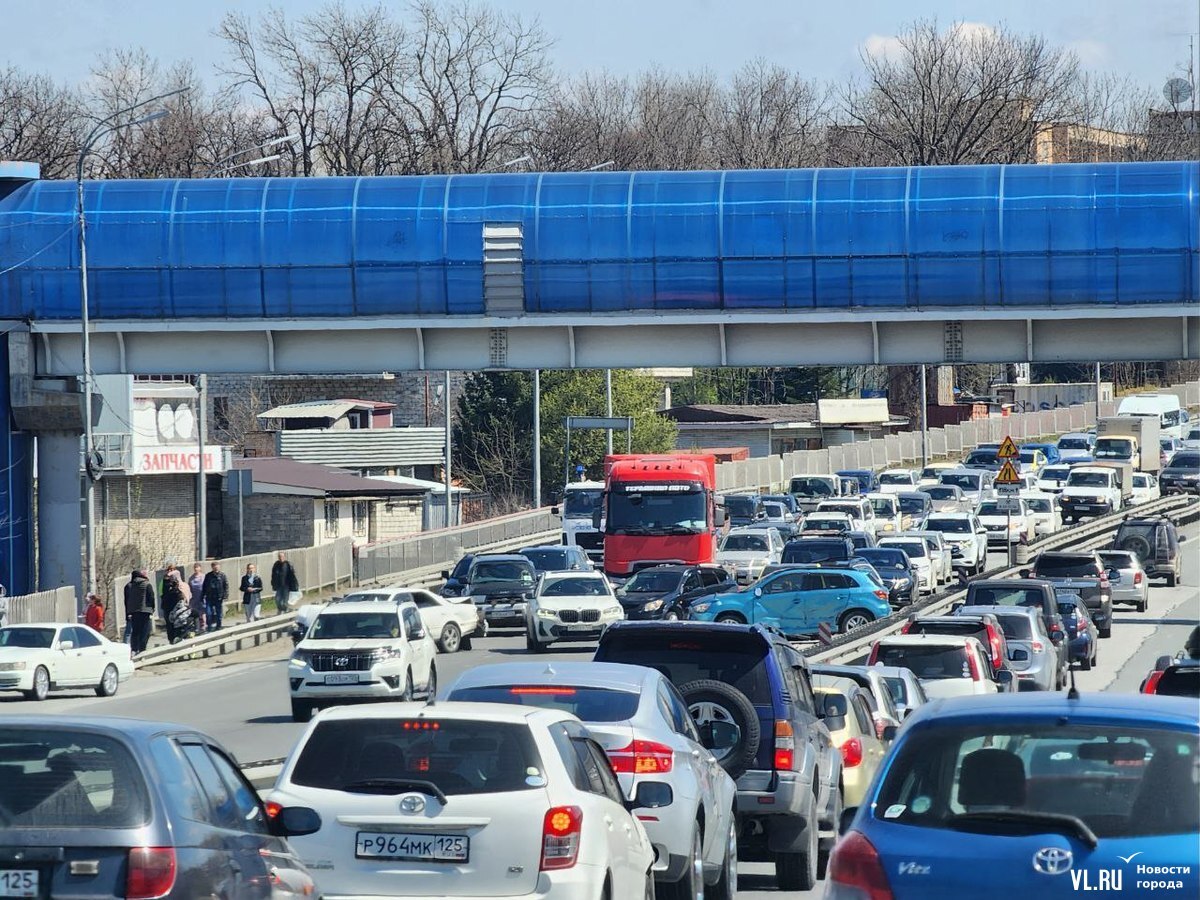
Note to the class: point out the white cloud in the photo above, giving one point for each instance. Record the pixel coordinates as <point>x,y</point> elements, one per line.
<point>1090,53</point>
<point>973,29</point>
<point>882,45</point>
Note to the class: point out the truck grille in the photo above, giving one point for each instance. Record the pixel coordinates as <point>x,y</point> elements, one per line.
<point>589,540</point>
<point>340,662</point>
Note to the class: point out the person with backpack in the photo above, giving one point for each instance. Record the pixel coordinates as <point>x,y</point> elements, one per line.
<point>216,594</point>
<point>173,594</point>
<point>283,582</point>
<point>251,588</point>
<point>140,604</point>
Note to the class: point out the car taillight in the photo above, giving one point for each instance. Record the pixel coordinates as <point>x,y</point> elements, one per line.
<point>856,872</point>
<point>1037,646</point>
<point>642,758</point>
<point>561,829</point>
<point>997,648</point>
<point>150,873</point>
<point>1151,685</point>
<point>882,595</point>
<point>974,664</point>
<point>873,657</point>
<point>906,627</point>
<point>1103,579</point>
<point>1137,577</point>
<point>852,753</point>
<point>785,745</point>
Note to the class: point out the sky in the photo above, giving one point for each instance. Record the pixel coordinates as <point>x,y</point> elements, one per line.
<point>1144,39</point>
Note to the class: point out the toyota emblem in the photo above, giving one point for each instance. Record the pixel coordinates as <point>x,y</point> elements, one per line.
<point>412,804</point>
<point>1053,861</point>
<point>342,661</point>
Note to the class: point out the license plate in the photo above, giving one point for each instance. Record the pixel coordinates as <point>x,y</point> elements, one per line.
<point>415,847</point>
<point>19,883</point>
<point>342,678</point>
<point>584,626</point>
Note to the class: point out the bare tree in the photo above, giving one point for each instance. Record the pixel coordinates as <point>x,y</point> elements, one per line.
<point>676,120</point>
<point>40,121</point>
<point>771,118</point>
<point>588,121</point>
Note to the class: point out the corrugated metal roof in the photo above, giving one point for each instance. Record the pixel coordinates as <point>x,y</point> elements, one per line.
<point>366,448</point>
<point>312,409</point>
<point>711,413</point>
<point>332,481</point>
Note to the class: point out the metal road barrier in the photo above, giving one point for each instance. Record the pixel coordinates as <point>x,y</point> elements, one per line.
<point>853,647</point>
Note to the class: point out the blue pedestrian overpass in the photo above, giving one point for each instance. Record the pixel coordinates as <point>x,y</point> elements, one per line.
<point>560,270</point>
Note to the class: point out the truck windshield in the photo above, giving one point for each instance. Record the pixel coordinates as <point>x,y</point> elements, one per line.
<point>579,504</point>
<point>651,512</point>
<point>811,487</point>
<point>1088,479</point>
<point>1073,443</point>
<point>1113,448</point>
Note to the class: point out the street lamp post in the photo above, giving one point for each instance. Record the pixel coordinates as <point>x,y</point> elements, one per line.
<point>226,164</point>
<point>103,128</point>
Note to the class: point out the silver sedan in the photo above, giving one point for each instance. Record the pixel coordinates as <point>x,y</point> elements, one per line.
<point>1127,578</point>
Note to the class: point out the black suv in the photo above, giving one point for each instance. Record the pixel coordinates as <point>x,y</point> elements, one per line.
<point>1155,543</point>
<point>1081,573</point>
<point>1181,475</point>
<point>666,592</point>
<point>787,768</point>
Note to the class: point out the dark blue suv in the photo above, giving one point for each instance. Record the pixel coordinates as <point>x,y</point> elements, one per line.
<point>787,768</point>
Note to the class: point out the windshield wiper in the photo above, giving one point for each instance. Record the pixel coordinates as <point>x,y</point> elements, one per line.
<point>680,529</point>
<point>395,786</point>
<point>632,529</point>
<point>1046,821</point>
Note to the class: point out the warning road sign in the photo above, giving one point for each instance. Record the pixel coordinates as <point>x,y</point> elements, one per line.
<point>1008,450</point>
<point>1008,474</point>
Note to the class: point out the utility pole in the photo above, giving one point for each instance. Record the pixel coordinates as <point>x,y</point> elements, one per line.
<point>1097,393</point>
<point>924,420</point>
<point>537,438</point>
<point>608,409</point>
<point>449,489</point>
<point>201,483</point>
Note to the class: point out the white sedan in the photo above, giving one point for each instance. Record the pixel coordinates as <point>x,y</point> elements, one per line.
<point>42,657</point>
<point>894,481</point>
<point>1007,520</point>
<point>1145,488</point>
<point>450,621</point>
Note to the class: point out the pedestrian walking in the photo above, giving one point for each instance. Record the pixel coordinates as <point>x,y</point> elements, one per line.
<point>251,588</point>
<point>216,595</point>
<point>173,593</point>
<point>3,606</point>
<point>140,604</point>
<point>199,610</point>
<point>93,616</point>
<point>283,582</point>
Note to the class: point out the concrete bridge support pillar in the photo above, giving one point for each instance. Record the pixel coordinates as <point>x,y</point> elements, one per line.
<point>59,514</point>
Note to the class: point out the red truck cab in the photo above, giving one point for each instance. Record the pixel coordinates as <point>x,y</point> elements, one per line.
<point>658,510</point>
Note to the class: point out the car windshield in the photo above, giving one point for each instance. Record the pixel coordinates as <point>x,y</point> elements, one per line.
<point>811,487</point>
<point>1074,443</point>
<point>814,551</point>
<point>649,581</point>
<point>942,492</point>
<point>397,755</point>
<point>744,543</point>
<point>895,478</point>
<point>68,778</point>
<point>1113,448</point>
<point>32,638</point>
<point>350,626</point>
<point>590,704</point>
<point>1050,566</point>
<point>1190,461</point>
<point>1029,456</point>
<point>1039,504</point>
<point>1088,479</point>
<point>964,480</point>
<point>1120,779</point>
<point>927,660</point>
<point>913,505</point>
<point>635,511</point>
<point>910,548</point>
<point>741,506</point>
<point>884,557</point>
<point>981,458</point>
<point>579,503</point>
<point>884,506</point>
<point>999,508</point>
<point>574,587</point>
<point>827,523</point>
<point>547,560</point>
<point>948,526</point>
<point>1055,473</point>
<point>502,570</point>
<point>734,659</point>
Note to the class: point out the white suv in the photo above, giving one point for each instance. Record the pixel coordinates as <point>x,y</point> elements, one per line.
<point>464,800</point>
<point>966,536</point>
<point>357,651</point>
<point>570,606</point>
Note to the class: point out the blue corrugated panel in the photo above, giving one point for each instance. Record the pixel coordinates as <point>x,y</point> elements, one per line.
<point>966,236</point>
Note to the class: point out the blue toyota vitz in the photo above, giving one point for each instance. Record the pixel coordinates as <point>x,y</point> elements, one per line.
<point>1031,795</point>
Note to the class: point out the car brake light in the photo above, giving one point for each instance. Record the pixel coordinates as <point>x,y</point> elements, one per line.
<point>1137,577</point>
<point>1151,685</point>
<point>642,758</point>
<point>785,744</point>
<point>561,829</point>
<point>1038,646</point>
<point>906,627</point>
<point>974,664</point>
<point>150,873</point>
<point>551,691</point>
<point>882,595</point>
<point>874,655</point>
<point>855,870</point>
<point>852,753</point>
<point>997,649</point>
<point>1103,579</point>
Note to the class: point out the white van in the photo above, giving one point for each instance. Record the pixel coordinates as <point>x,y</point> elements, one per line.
<point>1165,406</point>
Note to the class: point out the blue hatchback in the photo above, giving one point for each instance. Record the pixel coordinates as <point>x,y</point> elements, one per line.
<point>1031,795</point>
<point>798,601</point>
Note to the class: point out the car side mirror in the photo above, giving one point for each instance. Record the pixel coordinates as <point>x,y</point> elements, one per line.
<point>651,795</point>
<point>295,821</point>
<point>1027,573</point>
<point>445,575</point>
<point>719,518</point>
<point>555,511</point>
<point>981,531</point>
<point>1018,655</point>
<point>66,645</point>
<point>1057,637</point>
<point>1004,677</point>
<point>719,735</point>
<point>758,592</point>
<point>1181,538</point>
<point>889,733</point>
<point>847,819</point>
<point>417,633</point>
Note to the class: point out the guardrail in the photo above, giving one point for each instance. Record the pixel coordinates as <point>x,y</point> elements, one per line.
<point>853,647</point>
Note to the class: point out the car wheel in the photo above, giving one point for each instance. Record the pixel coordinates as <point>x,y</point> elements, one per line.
<point>532,644</point>
<point>1085,664</point>
<point>1144,603</point>
<point>408,687</point>
<point>1105,631</point>
<point>431,684</point>
<point>726,885</point>
<point>690,885</point>
<point>41,684</point>
<point>855,618</point>
<point>109,682</point>
<point>730,619</point>
<point>1172,580</point>
<point>716,701</point>
<point>825,845</point>
<point>671,616</point>
<point>302,710</point>
<point>797,871</point>
<point>451,639</point>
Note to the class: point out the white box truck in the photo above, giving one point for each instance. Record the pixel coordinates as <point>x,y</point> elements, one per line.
<point>1129,439</point>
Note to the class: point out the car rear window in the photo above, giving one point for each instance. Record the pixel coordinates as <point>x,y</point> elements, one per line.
<point>1180,681</point>
<point>1016,627</point>
<point>740,543</point>
<point>387,755</point>
<point>688,657</point>
<point>590,704</point>
<point>1121,780</point>
<point>1049,566</point>
<point>814,551</point>
<point>1005,596</point>
<point>961,629</point>
<point>926,660</point>
<point>547,560</point>
<point>67,778</point>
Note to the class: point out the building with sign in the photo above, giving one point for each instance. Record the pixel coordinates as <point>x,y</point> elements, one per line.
<point>148,442</point>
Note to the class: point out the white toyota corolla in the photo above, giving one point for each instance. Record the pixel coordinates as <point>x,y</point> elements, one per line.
<point>42,657</point>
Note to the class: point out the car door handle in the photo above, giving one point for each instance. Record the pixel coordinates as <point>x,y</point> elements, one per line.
<point>695,754</point>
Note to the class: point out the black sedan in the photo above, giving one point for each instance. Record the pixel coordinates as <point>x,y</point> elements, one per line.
<point>666,592</point>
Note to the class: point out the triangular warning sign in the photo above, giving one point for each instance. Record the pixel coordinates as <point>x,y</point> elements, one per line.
<point>1008,450</point>
<point>1008,474</point>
